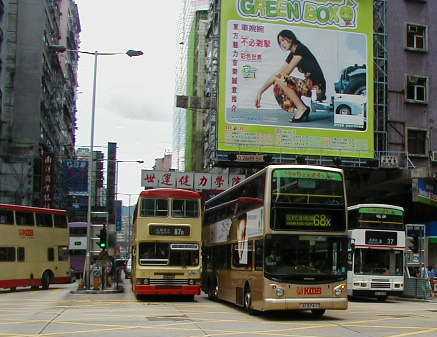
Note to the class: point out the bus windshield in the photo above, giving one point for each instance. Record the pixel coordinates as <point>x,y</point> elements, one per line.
<point>307,186</point>
<point>168,254</point>
<point>378,262</point>
<point>305,258</point>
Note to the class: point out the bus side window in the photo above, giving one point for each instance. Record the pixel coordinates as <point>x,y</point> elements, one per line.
<point>21,254</point>
<point>62,253</point>
<point>259,254</point>
<point>6,217</point>
<point>50,254</point>
<point>7,254</point>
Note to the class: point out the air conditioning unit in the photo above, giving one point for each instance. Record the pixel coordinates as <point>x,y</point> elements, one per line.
<point>389,161</point>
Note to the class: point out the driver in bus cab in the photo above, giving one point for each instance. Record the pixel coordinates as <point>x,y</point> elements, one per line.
<point>273,258</point>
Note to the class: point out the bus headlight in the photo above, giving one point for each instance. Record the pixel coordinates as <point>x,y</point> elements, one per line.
<point>190,282</point>
<point>279,292</point>
<point>338,290</point>
<point>363,284</point>
<point>146,281</point>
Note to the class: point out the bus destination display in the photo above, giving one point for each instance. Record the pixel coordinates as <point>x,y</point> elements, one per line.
<point>314,221</point>
<point>381,238</point>
<point>169,230</point>
<point>286,219</point>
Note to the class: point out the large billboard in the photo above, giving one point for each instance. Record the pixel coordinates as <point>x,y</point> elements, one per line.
<point>76,177</point>
<point>296,77</point>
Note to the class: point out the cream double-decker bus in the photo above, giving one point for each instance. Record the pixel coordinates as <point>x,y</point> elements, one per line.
<point>278,241</point>
<point>33,247</point>
<point>166,256</point>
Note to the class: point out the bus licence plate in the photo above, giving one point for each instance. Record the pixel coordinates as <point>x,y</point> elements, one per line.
<point>309,305</point>
<point>380,293</point>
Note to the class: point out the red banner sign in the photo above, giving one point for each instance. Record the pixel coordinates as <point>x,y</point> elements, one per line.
<point>26,232</point>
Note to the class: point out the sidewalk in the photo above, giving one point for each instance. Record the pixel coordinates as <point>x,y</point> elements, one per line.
<point>114,290</point>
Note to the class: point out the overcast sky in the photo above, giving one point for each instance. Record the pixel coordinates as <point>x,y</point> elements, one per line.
<point>135,96</point>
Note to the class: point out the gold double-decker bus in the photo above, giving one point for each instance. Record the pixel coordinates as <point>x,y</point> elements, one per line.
<point>166,256</point>
<point>33,247</point>
<point>278,241</point>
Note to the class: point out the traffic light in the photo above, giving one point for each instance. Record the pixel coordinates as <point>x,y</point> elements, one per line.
<point>103,239</point>
<point>413,243</point>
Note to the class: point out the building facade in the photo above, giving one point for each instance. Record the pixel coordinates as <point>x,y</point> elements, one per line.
<point>403,170</point>
<point>164,163</point>
<point>38,112</point>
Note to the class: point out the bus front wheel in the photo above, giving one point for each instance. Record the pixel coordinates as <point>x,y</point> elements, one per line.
<point>248,301</point>
<point>213,289</point>
<point>318,312</point>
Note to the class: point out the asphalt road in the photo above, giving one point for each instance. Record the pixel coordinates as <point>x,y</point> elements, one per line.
<point>57,312</point>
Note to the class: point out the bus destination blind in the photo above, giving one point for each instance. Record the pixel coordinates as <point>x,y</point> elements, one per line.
<point>169,230</point>
<point>381,238</point>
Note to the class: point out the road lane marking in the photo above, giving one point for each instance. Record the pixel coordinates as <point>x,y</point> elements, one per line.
<point>414,333</point>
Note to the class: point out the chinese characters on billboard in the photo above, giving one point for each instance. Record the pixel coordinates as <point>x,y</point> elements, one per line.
<point>189,180</point>
<point>296,77</point>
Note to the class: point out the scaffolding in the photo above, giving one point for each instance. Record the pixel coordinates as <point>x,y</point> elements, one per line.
<point>187,13</point>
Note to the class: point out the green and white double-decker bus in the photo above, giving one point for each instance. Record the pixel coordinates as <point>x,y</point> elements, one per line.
<point>377,232</point>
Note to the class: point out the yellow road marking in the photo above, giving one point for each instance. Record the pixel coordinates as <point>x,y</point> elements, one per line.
<point>414,333</point>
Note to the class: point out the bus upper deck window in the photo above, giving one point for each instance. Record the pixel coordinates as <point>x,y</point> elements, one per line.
<point>44,220</point>
<point>6,217</point>
<point>24,219</point>
<point>154,207</point>
<point>60,221</point>
<point>185,209</point>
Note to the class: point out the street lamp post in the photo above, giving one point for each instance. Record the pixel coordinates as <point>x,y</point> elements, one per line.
<point>130,53</point>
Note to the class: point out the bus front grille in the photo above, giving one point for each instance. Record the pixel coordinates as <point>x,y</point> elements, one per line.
<point>380,285</point>
<point>169,282</point>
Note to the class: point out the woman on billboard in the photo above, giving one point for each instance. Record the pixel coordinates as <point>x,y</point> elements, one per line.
<point>287,89</point>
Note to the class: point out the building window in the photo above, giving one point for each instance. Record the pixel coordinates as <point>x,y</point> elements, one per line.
<point>417,89</point>
<point>416,142</point>
<point>416,37</point>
